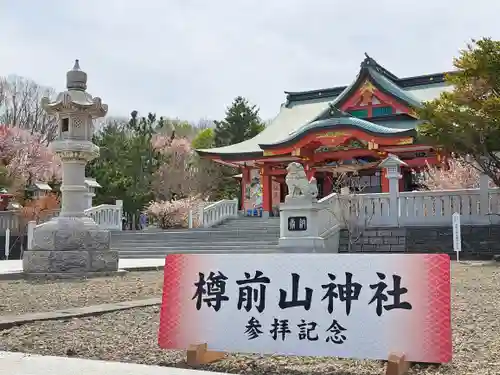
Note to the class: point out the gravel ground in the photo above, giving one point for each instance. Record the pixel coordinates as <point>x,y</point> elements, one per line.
<point>18,297</point>
<point>131,336</point>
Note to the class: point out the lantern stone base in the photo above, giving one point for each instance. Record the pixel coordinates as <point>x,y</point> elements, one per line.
<point>67,247</point>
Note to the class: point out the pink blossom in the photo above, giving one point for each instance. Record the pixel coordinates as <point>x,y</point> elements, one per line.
<point>174,214</point>
<point>25,156</point>
<point>166,145</point>
<point>177,174</point>
<point>456,174</point>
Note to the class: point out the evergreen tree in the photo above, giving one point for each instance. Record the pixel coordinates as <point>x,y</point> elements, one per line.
<point>111,167</point>
<point>466,121</point>
<point>242,122</point>
<point>127,162</point>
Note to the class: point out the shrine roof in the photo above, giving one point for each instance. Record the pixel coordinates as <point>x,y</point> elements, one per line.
<point>337,120</point>
<point>381,78</point>
<point>289,119</point>
<point>305,110</point>
<point>413,89</point>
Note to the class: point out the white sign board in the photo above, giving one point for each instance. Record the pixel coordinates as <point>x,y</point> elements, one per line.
<point>457,235</point>
<point>345,305</point>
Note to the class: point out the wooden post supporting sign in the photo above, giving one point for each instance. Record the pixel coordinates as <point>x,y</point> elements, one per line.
<point>397,364</point>
<point>198,354</point>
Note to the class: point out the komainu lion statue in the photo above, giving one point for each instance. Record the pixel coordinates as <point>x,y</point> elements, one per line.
<point>297,183</point>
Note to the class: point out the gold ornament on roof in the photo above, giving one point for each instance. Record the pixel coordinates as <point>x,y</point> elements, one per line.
<point>367,87</point>
<point>405,141</point>
<point>331,134</point>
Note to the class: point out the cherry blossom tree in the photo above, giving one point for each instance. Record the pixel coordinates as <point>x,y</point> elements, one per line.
<point>182,182</point>
<point>26,158</point>
<point>181,173</point>
<point>455,173</point>
<point>175,176</point>
<point>175,213</point>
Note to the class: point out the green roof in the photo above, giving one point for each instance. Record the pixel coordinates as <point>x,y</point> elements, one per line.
<point>382,79</point>
<point>341,120</point>
<point>398,124</point>
<point>390,87</point>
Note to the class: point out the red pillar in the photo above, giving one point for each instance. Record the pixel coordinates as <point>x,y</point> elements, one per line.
<point>402,180</point>
<point>384,181</point>
<point>267,193</point>
<point>327,184</point>
<point>310,171</point>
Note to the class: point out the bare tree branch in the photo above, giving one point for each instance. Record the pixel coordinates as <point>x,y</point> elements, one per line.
<point>20,107</point>
<point>352,210</point>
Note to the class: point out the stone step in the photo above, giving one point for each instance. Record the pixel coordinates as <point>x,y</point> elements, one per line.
<point>234,242</point>
<point>167,247</point>
<point>244,223</point>
<point>194,231</point>
<point>231,237</point>
<point>161,254</point>
<point>233,224</point>
<point>251,228</point>
<point>201,235</point>
<point>253,218</point>
<point>191,245</point>
<point>251,221</point>
<point>247,227</point>
<point>248,223</point>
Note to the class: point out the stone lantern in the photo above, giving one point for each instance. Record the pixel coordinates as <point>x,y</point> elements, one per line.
<point>91,184</point>
<point>72,244</point>
<point>38,190</point>
<point>392,165</point>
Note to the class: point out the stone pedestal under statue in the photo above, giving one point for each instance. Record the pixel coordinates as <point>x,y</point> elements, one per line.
<point>301,228</point>
<point>72,244</point>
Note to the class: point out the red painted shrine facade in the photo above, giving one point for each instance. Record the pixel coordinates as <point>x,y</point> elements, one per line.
<point>342,129</point>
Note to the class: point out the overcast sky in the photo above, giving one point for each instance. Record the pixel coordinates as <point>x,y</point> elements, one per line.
<point>190,58</point>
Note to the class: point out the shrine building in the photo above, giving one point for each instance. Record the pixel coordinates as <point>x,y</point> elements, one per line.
<point>336,130</point>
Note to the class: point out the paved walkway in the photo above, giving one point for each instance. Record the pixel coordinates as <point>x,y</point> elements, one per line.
<point>28,364</point>
<point>16,266</point>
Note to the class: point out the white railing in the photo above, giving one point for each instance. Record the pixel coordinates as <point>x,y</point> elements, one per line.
<point>422,208</point>
<point>327,216</point>
<point>417,208</point>
<point>9,220</point>
<point>107,216</point>
<point>360,210</point>
<point>217,212</point>
<point>13,220</point>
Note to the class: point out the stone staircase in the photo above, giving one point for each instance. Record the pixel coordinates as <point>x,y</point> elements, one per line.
<point>238,235</point>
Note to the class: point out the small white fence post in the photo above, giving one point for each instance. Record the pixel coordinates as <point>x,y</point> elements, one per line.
<point>190,219</point>
<point>7,243</point>
<point>31,232</point>
<point>484,195</point>
<point>119,204</point>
